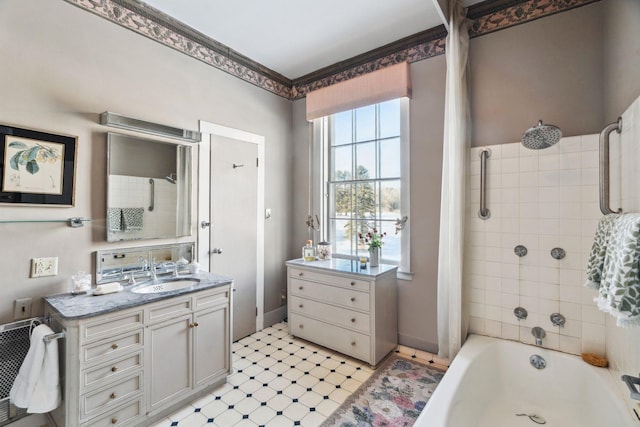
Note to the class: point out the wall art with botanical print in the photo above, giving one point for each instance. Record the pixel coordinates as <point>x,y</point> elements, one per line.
<point>37,167</point>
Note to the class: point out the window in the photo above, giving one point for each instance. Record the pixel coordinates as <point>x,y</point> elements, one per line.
<point>365,177</point>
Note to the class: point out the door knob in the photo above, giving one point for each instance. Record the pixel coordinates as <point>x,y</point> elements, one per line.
<point>216,251</point>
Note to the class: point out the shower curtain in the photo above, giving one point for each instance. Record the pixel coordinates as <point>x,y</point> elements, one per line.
<point>451,324</point>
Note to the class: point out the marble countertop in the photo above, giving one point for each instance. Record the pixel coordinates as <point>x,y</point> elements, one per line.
<point>341,265</point>
<point>81,306</point>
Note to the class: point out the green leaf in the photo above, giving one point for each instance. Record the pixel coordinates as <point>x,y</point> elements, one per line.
<point>17,144</point>
<point>32,167</point>
<point>13,162</point>
<point>33,153</point>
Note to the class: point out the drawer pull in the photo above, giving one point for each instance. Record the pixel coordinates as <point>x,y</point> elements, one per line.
<point>353,283</point>
<point>301,287</point>
<point>301,274</point>
<point>195,324</point>
<point>300,306</point>
<point>114,346</point>
<point>113,395</point>
<point>301,326</point>
<point>353,343</point>
<point>191,325</point>
<point>114,421</point>
<point>114,368</point>
<point>353,320</point>
<point>353,299</point>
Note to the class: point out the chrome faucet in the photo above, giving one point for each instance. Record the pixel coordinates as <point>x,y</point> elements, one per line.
<point>538,333</point>
<point>154,276</point>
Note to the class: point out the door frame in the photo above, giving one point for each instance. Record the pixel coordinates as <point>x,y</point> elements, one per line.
<point>209,130</point>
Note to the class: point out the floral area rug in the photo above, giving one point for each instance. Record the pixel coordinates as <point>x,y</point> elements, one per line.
<point>394,395</point>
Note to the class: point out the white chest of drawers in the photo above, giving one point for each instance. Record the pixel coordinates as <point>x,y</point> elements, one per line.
<point>337,305</point>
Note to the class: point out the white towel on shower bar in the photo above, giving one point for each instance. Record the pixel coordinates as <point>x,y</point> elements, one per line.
<point>37,386</point>
<point>619,291</point>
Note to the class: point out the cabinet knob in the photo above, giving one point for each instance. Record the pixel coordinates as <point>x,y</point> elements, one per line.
<point>353,320</point>
<point>353,343</point>
<point>301,326</point>
<point>301,287</point>
<point>191,325</point>
<point>300,306</point>
<point>114,421</point>
<point>353,283</point>
<point>195,324</point>
<point>114,346</point>
<point>301,274</point>
<point>114,368</point>
<point>353,299</point>
<point>113,395</point>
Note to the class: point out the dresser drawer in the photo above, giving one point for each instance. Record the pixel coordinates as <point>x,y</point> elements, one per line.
<point>339,316</point>
<point>105,326</point>
<point>166,310</point>
<point>97,401</point>
<point>345,341</point>
<point>112,371</point>
<point>330,294</point>
<point>343,282</point>
<point>112,347</point>
<point>123,415</point>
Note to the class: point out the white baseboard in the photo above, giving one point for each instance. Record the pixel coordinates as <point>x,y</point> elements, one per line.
<point>417,343</point>
<point>275,316</point>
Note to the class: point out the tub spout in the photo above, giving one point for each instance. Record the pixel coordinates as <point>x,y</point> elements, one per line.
<point>538,333</point>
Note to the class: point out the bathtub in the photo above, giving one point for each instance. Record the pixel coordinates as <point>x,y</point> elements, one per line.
<point>491,380</point>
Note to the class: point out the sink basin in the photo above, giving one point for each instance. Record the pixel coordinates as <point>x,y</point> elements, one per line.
<point>165,286</point>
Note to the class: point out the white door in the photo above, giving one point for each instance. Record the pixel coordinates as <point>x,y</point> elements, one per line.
<point>234,230</point>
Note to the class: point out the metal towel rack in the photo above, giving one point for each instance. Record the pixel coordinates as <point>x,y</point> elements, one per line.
<point>604,165</point>
<point>484,212</point>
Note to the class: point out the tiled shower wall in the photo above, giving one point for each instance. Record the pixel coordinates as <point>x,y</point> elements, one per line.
<point>541,199</point>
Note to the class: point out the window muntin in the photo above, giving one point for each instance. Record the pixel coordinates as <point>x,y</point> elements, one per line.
<point>364,186</point>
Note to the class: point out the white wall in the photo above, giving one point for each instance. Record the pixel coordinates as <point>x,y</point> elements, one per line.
<point>62,67</point>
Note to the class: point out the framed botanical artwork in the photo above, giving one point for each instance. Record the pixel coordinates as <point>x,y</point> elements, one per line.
<point>37,167</point>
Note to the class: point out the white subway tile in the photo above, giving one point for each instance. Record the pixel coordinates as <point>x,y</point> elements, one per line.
<point>493,328</point>
<point>570,294</point>
<point>476,325</point>
<point>592,315</point>
<point>569,344</point>
<point>510,332</point>
<point>593,339</point>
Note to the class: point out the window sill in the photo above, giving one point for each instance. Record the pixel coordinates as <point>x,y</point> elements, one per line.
<point>403,275</point>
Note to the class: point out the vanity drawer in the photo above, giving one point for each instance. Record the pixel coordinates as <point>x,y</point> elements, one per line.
<point>97,401</point>
<point>112,347</point>
<point>211,299</point>
<point>105,326</point>
<point>123,415</point>
<point>340,316</point>
<point>331,294</point>
<point>343,282</point>
<point>166,310</point>
<point>345,341</point>
<point>118,368</point>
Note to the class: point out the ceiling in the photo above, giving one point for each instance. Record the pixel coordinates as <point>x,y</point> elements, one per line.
<point>297,37</point>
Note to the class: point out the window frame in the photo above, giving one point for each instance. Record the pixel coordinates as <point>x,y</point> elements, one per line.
<point>320,154</point>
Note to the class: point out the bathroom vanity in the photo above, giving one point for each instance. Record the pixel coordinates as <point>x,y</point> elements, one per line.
<point>133,358</point>
<point>339,305</point>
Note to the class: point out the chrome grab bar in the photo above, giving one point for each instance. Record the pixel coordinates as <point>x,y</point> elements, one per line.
<point>631,383</point>
<point>604,165</point>
<point>153,194</point>
<point>484,212</point>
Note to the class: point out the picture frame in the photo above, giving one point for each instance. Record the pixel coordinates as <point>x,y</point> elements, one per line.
<point>37,167</point>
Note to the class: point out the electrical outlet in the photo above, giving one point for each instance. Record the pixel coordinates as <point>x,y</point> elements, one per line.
<point>22,308</point>
<point>41,267</point>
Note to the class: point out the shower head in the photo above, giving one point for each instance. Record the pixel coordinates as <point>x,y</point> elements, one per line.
<point>541,136</point>
<point>172,178</point>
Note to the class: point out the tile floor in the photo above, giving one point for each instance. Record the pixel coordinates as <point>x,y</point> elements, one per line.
<point>280,381</point>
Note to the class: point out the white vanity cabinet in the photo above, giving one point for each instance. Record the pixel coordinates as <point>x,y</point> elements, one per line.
<point>133,366</point>
<point>336,304</point>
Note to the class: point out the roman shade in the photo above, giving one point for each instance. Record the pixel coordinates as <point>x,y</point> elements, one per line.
<point>379,86</point>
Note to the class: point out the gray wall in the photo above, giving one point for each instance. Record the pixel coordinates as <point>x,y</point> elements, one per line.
<point>549,69</point>
<point>61,67</point>
<point>621,60</point>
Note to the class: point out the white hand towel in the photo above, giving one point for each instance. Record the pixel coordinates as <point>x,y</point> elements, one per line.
<point>37,386</point>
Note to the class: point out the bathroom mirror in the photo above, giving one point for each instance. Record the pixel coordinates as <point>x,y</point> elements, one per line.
<point>148,188</point>
<point>119,264</point>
